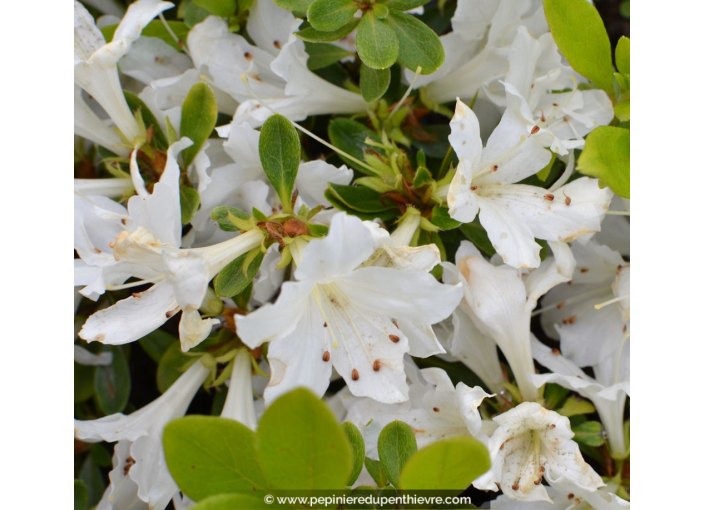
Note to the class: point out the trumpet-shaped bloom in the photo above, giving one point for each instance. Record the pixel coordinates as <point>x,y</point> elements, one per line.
<point>336,313</point>
<point>139,468</point>
<point>531,443</point>
<point>514,214</point>
<point>88,125</point>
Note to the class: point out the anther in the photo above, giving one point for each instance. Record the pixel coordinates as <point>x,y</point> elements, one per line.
<point>542,469</point>
<point>355,374</point>
<point>473,188</point>
<point>495,168</point>
<point>248,56</point>
<point>394,338</point>
<point>549,197</point>
<point>377,365</point>
<point>560,305</point>
<point>570,320</point>
<point>436,409</point>
<point>515,486</point>
<point>536,482</point>
<point>556,351</point>
<point>96,250</point>
<point>584,270</point>
<point>325,324</point>
<point>570,496</point>
<point>534,130</point>
<point>326,356</point>
<point>568,200</point>
<point>277,45</point>
<point>171,313</point>
<point>552,426</point>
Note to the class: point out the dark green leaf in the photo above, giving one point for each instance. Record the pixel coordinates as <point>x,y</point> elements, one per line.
<point>418,44</point>
<point>280,153</point>
<point>112,382</point>
<point>100,455</point>
<point>323,54</point>
<point>190,200</point>
<point>171,367</point>
<point>397,443</point>
<point>80,495</point>
<point>423,177</point>
<point>208,455</point>
<point>405,5</point>
<point>360,198</point>
<point>349,136</point>
<point>354,436</point>
<point>93,478</point>
<point>607,155</point>
<point>376,471</point>
<point>373,82</point>
<point>329,15</point>
<point>448,464</point>
<point>224,216</point>
<point>589,433</point>
<point>156,29</point>
<point>242,299</point>
<point>441,217</point>
<point>555,395</point>
<point>377,44</point>
<point>224,8</point>
<point>83,382</point>
<point>476,234</point>
<point>135,103</point>
<point>580,35</point>
<point>198,116</point>
<point>301,445</point>
<point>339,204</point>
<point>310,34</point>
<point>233,279</point>
<point>156,343</point>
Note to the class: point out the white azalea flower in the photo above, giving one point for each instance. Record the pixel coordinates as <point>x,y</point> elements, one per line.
<point>95,62</point>
<point>139,468</point>
<point>531,443</point>
<point>514,214</point>
<point>499,302</point>
<point>239,404</point>
<point>607,392</point>
<point>88,125</point>
<point>568,497</point>
<point>83,356</point>
<point>112,187</point>
<point>589,335</point>
<point>151,59</point>
<point>338,314</point>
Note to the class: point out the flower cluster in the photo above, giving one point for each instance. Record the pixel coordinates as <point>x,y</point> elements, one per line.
<point>465,272</point>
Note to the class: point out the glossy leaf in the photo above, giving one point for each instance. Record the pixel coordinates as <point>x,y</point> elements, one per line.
<point>440,216</point>
<point>418,44</point>
<point>310,34</point>
<point>233,279</point>
<point>171,367</point>
<point>323,54</point>
<point>581,36</point>
<point>329,15</point>
<point>589,433</point>
<point>280,153</point>
<point>294,5</point>
<point>224,8</point>
<point>301,445</point>
<point>113,382</point>
<point>190,200</point>
<point>376,471</point>
<point>373,82</point>
<point>225,215</point>
<point>397,443</point>
<point>156,343</point>
<point>377,43</point>
<point>360,198</point>
<point>135,103</point>
<point>607,155</point>
<point>198,116</point>
<point>477,235</point>
<point>405,5</point>
<point>623,55</point>
<point>574,407</point>
<point>448,464</point>
<point>207,455</point>
<point>354,436</point>
<point>349,136</point>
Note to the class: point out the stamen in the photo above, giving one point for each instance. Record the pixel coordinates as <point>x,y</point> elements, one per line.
<point>355,374</point>
<point>408,91</point>
<point>611,301</point>
<point>394,338</point>
<point>377,365</point>
<point>173,35</point>
<point>619,213</point>
<point>575,299</point>
<point>326,356</point>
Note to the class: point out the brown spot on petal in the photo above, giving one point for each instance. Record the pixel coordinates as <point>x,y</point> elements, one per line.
<point>569,320</point>
<point>136,295</point>
<point>556,352</point>
<point>570,496</point>
<point>565,118</point>
<point>394,338</point>
<point>584,270</point>
<point>96,250</point>
<point>326,356</point>
<point>495,168</point>
<point>124,221</point>
<point>624,328</point>
<point>128,464</point>
<point>277,45</point>
<point>171,313</point>
<point>536,482</point>
<point>555,104</point>
<point>248,56</point>
<point>325,324</point>
<point>560,305</point>
<point>473,188</point>
<point>552,426</point>
<point>355,374</point>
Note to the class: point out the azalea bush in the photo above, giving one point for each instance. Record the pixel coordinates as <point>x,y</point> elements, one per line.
<point>350,247</point>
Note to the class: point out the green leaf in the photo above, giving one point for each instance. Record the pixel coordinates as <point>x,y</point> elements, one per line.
<point>156,29</point>
<point>377,44</point>
<point>310,34</point>
<point>475,233</point>
<point>234,502</point>
<point>589,433</point>
<point>418,44</point>
<point>80,495</point>
<point>93,478</point>
<point>233,279</point>
<point>301,445</point>
<point>440,216</point>
<point>373,82</point>
<point>448,464</point>
<point>190,200</point>
<point>360,198</point>
<point>294,5</point>
<point>349,136</point>
<point>225,216</point>
<point>323,54</point>
<point>170,367</point>
<point>545,171</point>
<point>376,471</point>
<point>156,343</point>
<point>555,395</point>
<point>573,407</point>
<point>354,436</point>
<point>194,14</point>
<point>380,11</point>
<point>607,155</point>
<point>135,103</point>
<point>198,117</point>
<point>623,111</point>
<point>329,15</point>
<point>623,55</point>
<point>280,153</point>
<point>405,5</point>
<point>207,455</point>
<point>581,36</point>
<point>83,382</point>
<point>224,8</point>
<point>397,443</point>
<point>112,382</point>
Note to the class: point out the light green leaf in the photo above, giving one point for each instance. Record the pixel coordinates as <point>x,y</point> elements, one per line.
<point>376,471</point>
<point>440,216</point>
<point>135,103</point>
<point>156,29</point>
<point>397,443</point>
<point>310,34</point>
<point>349,136</point>
<point>112,382</point>
<point>545,171</point>
<point>80,495</point>
<point>323,54</point>
<point>170,367</point>
<point>198,117</point>
<point>235,502</point>
<point>224,8</point>
<point>448,464</point>
<point>225,216</point>
<point>573,407</point>
<point>294,5</point>
<point>589,433</point>
<point>580,35</point>
<point>418,44</point>
<point>607,155</point>
<point>301,445</point>
<point>377,43</point>
<point>354,436</point>
<point>193,13</point>
<point>190,200</point>
<point>405,5</point>
<point>329,15</point>
<point>380,11</point>
<point>232,279</point>
<point>623,111</point>
<point>373,82</point>
<point>280,153</point>
<point>623,55</point>
<point>208,455</point>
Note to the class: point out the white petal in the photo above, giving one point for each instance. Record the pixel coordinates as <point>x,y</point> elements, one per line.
<point>151,59</point>
<point>269,25</point>
<point>414,258</point>
<point>461,199</point>
<point>192,330</point>
<point>464,136</point>
<point>313,178</point>
<point>422,341</point>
